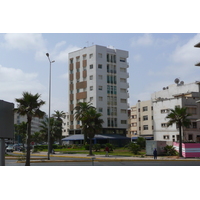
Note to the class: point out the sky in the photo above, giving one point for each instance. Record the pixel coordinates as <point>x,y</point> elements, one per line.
<point>155,60</point>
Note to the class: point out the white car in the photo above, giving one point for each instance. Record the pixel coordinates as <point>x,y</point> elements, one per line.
<point>9,148</point>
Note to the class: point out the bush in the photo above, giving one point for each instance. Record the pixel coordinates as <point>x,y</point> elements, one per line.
<point>134,148</point>
<point>170,150</point>
<point>87,146</point>
<point>96,147</point>
<point>110,146</point>
<point>141,142</point>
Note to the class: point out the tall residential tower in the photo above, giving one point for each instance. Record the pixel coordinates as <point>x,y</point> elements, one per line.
<point>98,75</point>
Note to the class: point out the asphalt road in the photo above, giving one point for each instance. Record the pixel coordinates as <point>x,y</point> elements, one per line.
<point>116,163</point>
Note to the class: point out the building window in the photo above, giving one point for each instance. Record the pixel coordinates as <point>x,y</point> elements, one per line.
<point>145,117</point>
<point>122,90</point>
<point>190,137</point>
<point>166,137</point>
<point>122,80</point>
<point>100,87</point>
<point>164,111</point>
<point>100,109</point>
<point>100,55</point>
<point>145,127</point>
<point>134,116</point>
<point>84,57</point>
<point>192,110</point>
<point>91,98</point>
<point>123,111</point>
<point>123,121</point>
<point>78,59</point>
<point>71,61</point>
<point>122,59</point>
<point>99,66</point>
<point>91,55</point>
<point>145,108</point>
<point>123,101</point>
<point>100,98</point>
<point>91,77</point>
<point>194,125</point>
<point>91,88</point>
<point>100,77</point>
<point>91,66</point>
<point>163,124</point>
<point>122,69</point>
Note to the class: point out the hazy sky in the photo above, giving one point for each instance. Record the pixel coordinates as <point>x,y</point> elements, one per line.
<point>155,60</point>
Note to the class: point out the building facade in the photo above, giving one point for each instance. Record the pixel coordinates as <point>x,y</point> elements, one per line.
<point>98,75</point>
<point>65,125</point>
<point>176,95</point>
<point>141,120</point>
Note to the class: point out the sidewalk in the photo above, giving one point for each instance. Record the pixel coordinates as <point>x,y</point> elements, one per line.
<point>42,157</point>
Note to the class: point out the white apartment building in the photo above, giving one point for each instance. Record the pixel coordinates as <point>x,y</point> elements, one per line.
<point>98,74</point>
<point>65,125</point>
<point>141,120</point>
<point>35,124</point>
<point>182,95</point>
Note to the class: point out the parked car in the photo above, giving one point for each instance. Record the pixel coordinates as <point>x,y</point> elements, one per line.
<point>9,148</point>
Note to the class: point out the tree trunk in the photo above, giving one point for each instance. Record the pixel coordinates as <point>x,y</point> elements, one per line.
<point>180,142</point>
<point>28,144</point>
<point>90,147</point>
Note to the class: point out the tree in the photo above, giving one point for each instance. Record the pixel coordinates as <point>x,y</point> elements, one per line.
<point>20,131</point>
<point>141,142</point>
<point>58,115</point>
<point>179,116</point>
<point>92,124</point>
<point>29,106</point>
<point>54,130</point>
<point>37,137</point>
<point>80,110</point>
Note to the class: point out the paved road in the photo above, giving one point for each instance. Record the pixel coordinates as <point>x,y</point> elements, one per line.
<point>109,163</point>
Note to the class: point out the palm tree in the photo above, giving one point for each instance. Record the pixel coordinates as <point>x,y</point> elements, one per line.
<point>29,105</point>
<point>54,129</point>
<point>80,110</point>
<point>92,124</point>
<point>59,115</point>
<point>179,116</point>
<point>20,132</point>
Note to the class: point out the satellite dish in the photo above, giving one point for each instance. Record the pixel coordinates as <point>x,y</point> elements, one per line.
<point>182,82</point>
<point>176,80</point>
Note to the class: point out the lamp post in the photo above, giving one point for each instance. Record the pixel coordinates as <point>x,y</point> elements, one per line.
<point>47,54</point>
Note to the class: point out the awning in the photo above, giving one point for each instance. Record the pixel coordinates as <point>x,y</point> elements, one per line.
<point>81,137</point>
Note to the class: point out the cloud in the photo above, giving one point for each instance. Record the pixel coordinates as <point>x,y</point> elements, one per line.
<point>148,39</point>
<point>187,54</point>
<point>24,41</point>
<point>62,56</point>
<point>137,57</point>
<point>14,81</point>
<point>144,40</point>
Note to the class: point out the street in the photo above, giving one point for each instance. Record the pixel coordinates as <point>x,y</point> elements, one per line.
<point>107,163</point>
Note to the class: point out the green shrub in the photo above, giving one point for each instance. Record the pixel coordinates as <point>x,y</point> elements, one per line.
<point>110,146</point>
<point>87,146</point>
<point>170,150</point>
<point>96,147</point>
<point>134,148</point>
<point>141,142</point>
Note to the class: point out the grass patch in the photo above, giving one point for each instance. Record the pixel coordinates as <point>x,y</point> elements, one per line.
<point>117,152</point>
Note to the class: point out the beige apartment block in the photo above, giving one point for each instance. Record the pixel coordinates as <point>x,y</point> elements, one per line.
<point>141,120</point>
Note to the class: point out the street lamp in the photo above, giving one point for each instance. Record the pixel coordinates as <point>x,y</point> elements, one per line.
<point>47,54</point>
